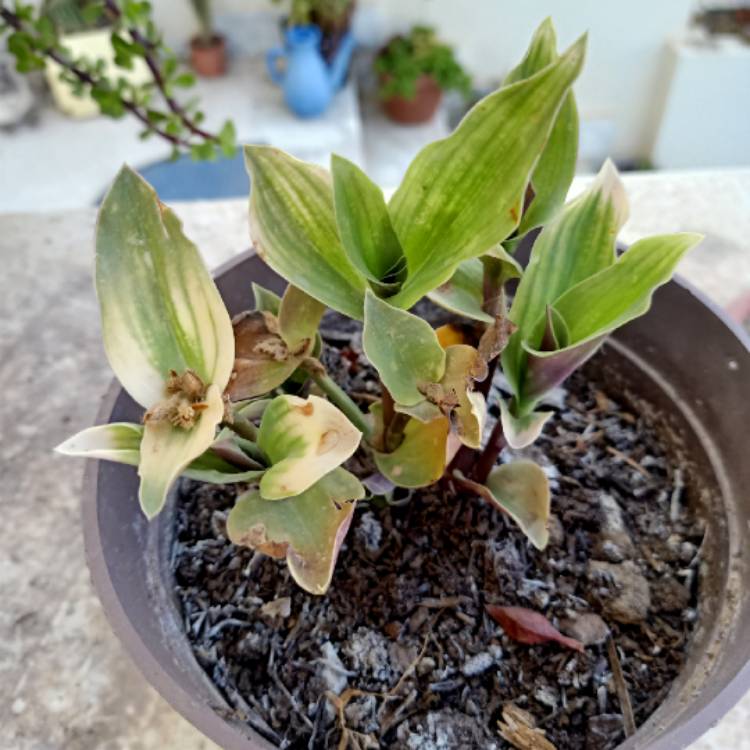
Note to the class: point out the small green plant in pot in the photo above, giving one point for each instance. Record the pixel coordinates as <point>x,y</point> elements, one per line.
<point>332,17</point>
<point>208,53</point>
<point>249,401</point>
<point>413,71</point>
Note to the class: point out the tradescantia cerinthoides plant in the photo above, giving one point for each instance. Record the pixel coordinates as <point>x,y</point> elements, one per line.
<point>448,232</point>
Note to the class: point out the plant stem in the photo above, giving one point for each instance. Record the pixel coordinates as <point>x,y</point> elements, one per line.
<point>339,397</point>
<point>244,428</point>
<point>488,457</point>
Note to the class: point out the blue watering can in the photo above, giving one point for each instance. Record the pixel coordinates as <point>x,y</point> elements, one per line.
<point>308,83</point>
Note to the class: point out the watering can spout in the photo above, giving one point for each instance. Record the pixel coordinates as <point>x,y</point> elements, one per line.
<point>340,63</point>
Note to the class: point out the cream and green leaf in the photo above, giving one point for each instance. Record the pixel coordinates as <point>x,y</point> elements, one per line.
<point>121,442</point>
<point>307,529</point>
<point>166,333</point>
<point>304,439</point>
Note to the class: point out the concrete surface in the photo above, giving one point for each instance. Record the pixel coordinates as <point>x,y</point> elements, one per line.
<point>65,683</point>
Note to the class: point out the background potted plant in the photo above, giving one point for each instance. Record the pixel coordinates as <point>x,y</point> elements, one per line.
<point>208,54</point>
<point>85,31</point>
<point>413,71</point>
<point>302,433</point>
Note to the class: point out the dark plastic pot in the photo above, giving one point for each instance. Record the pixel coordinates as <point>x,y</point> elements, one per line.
<point>209,59</point>
<point>421,108</point>
<point>684,361</point>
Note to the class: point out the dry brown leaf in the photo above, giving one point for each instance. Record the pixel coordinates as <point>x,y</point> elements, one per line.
<point>526,626</point>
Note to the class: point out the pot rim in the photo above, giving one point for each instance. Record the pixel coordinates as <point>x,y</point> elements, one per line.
<point>220,730</point>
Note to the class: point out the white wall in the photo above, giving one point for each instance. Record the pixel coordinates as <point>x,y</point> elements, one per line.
<point>620,91</point>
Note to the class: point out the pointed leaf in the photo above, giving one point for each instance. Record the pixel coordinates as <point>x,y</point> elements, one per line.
<point>118,441</point>
<point>304,440</point>
<point>307,529</point>
<point>160,308</point>
<point>555,169</point>
<point>522,431</point>
<point>299,318</point>
<point>463,195</point>
<point>521,490</point>
<point>265,299</point>
<point>578,243</point>
<point>121,442</point>
<point>363,221</point>
<point>420,458</point>
<point>293,226</point>
<point>403,348</point>
<point>166,451</point>
<point>526,626</point>
<point>424,411</point>
<point>622,292</point>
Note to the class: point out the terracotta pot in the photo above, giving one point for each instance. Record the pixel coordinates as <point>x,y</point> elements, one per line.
<point>209,59</point>
<point>696,384</point>
<point>421,108</point>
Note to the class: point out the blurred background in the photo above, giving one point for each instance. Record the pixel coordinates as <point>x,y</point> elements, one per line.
<point>666,86</point>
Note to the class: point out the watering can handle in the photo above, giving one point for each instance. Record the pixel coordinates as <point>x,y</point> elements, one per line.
<point>272,58</point>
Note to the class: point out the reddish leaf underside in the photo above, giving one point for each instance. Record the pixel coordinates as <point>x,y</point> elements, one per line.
<point>526,626</point>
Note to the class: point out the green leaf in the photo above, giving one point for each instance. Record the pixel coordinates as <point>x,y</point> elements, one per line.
<point>265,299</point>
<point>363,221</point>
<point>299,318</point>
<point>522,430</point>
<point>578,243</point>
<point>618,294</point>
<point>463,195</point>
<point>166,451</point>
<point>159,306</point>
<point>521,490</point>
<point>263,360</point>
<point>228,139</point>
<point>304,440</point>
<point>555,169</point>
<point>420,458</point>
<point>462,293</point>
<point>213,469</point>
<point>293,226</point>
<point>307,529</point>
<point>403,348</point>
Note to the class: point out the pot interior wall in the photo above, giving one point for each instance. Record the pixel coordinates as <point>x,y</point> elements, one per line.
<point>690,369</point>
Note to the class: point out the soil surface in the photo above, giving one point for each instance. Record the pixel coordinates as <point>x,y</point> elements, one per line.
<point>401,652</point>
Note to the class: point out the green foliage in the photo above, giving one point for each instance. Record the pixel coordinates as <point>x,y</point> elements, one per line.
<point>325,13</point>
<point>419,53</point>
<point>35,37</point>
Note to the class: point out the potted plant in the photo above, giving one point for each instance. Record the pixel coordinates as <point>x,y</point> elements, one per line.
<point>208,54</point>
<point>85,31</point>
<point>413,71</point>
<point>383,542</point>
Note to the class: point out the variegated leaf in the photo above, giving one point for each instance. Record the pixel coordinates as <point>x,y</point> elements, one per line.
<point>265,299</point>
<point>470,413</point>
<point>159,306</point>
<point>299,318</point>
<point>307,529</point>
<point>555,169</point>
<point>166,451</point>
<point>463,195</point>
<point>304,439</point>
<point>293,226</point>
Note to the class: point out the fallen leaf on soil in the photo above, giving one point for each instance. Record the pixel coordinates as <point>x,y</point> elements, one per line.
<point>526,626</point>
<point>519,728</point>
